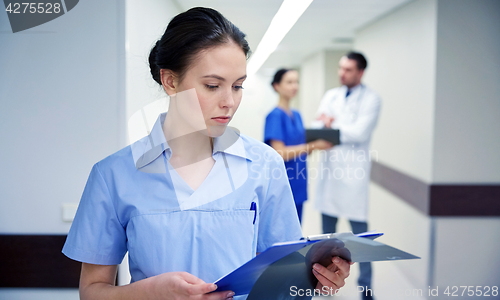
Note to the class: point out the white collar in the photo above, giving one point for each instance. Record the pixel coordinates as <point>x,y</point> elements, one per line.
<point>151,147</point>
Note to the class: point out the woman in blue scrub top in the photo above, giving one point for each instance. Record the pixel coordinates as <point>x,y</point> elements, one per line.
<point>285,132</point>
<point>194,199</point>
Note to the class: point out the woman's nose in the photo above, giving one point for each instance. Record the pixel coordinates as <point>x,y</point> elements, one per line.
<point>227,99</point>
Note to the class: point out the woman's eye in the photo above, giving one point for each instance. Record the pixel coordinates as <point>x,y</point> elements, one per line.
<point>211,87</point>
<point>238,87</point>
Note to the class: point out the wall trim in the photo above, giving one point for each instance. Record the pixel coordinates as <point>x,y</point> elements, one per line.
<point>413,191</point>
<point>36,261</point>
<point>457,200</point>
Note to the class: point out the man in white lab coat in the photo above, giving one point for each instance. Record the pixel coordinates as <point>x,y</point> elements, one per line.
<point>344,170</point>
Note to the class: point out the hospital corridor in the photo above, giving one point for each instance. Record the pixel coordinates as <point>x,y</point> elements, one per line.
<point>180,139</point>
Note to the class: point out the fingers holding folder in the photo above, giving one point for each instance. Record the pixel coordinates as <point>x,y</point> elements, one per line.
<point>333,276</point>
<point>330,263</point>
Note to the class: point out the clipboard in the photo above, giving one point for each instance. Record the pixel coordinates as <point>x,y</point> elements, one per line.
<point>290,263</point>
<point>328,134</point>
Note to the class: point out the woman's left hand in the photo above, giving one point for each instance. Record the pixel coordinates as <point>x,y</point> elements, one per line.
<point>332,278</point>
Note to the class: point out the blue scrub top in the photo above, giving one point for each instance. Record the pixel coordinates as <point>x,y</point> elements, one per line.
<point>135,201</point>
<point>290,130</point>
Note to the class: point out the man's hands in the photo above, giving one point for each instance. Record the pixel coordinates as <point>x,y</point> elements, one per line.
<point>182,285</point>
<point>327,120</point>
<point>332,276</point>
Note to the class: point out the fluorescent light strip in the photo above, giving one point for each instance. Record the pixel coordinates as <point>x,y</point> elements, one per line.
<point>288,14</point>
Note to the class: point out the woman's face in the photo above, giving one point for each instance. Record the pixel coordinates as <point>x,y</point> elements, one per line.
<point>289,84</point>
<point>216,75</point>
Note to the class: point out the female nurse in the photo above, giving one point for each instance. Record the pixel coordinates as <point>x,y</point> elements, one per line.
<point>194,199</point>
<point>285,132</point>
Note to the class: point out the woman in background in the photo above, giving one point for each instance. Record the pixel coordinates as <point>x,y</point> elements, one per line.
<point>285,132</point>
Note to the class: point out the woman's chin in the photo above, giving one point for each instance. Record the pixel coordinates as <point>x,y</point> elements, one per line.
<point>216,131</point>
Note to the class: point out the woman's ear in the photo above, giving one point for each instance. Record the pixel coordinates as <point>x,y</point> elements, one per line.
<point>274,87</point>
<point>168,81</point>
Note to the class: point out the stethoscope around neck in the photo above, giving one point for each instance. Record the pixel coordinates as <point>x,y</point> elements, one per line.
<point>348,105</point>
<point>360,94</point>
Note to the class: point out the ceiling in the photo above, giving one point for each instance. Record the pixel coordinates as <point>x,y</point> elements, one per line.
<point>326,24</point>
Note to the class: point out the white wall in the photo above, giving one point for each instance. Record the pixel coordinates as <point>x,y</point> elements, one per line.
<point>312,85</point>
<point>39,294</point>
<point>145,23</point>
<point>62,95</point>
<point>401,53</point>
<point>467,142</point>
<point>404,228</point>
<point>332,58</point>
<point>62,110</point>
<point>467,139</point>
<point>467,252</point>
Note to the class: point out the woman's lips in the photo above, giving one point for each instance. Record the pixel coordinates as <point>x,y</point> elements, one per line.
<point>222,119</point>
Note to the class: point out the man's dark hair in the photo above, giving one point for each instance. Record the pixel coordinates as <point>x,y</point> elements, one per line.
<point>359,58</point>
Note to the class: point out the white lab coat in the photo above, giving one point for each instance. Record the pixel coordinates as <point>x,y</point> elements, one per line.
<point>344,171</point>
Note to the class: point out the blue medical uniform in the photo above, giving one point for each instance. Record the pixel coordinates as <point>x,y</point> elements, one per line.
<point>290,130</point>
<point>135,201</point>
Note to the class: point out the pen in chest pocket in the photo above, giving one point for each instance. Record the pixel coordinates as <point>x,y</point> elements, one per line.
<point>253,207</point>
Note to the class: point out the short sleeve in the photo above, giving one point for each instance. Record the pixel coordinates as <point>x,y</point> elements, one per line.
<point>298,117</point>
<point>273,129</point>
<point>96,235</point>
<point>278,219</point>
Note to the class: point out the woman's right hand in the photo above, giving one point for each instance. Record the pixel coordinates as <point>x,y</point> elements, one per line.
<point>182,285</point>
<point>98,282</point>
<point>319,145</point>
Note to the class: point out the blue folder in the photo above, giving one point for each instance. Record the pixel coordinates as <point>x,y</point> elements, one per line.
<point>291,263</point>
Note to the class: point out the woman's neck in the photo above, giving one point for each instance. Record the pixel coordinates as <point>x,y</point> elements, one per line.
<point>187,144</point>
<point>284,104</point>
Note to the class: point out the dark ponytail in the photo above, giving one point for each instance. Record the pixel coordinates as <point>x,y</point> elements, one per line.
<point>279,75</point>
<point>155,70</point>
<point>187,34</point>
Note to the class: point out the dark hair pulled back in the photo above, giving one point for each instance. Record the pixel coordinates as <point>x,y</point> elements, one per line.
<point>187,34</point>
<point>278,76</point>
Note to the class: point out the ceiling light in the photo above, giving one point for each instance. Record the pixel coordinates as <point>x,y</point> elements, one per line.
<point>289,12</point>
